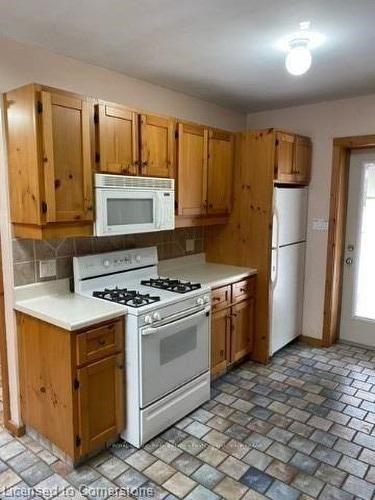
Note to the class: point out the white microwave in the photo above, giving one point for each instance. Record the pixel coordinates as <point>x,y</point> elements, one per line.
<point>129,205</point>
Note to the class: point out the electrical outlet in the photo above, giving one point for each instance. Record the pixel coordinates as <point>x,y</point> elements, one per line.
<point>320,225</point>
<point>47,268</point>
<point>190,245</point>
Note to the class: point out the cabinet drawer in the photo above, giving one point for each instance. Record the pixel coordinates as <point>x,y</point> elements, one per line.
<point>243,289</point>
<point>221,298</point>
<point>100,342</point>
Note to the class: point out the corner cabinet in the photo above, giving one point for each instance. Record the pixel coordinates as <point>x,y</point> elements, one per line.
<point>232,325</point>
<point>72,383</point>
<point>50,162</point>
<point>292,159</point>
<point>205,171</point>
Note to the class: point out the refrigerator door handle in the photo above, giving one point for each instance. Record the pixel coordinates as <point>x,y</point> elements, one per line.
<point>274,267</point>
<point>275,248</point>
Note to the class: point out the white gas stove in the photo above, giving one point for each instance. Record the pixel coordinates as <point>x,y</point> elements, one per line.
<point>167,337</point>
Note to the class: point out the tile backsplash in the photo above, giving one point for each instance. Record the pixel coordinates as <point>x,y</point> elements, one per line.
<point>28,253</point>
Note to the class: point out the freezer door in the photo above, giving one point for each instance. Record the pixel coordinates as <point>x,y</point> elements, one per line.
<point>287,295</point>
<point>290,215</point>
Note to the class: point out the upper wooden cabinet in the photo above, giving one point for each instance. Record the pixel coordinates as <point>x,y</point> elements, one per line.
<point>157,146</point>
<point>192,169</point>
<point>220,171</point>
<point>117,145</point>
<point>205,166</point>
<point>292,159</point>
<point>50,162</point>
<point>133,144</point>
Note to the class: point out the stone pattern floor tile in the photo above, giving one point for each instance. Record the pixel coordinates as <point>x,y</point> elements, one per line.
<point>301,427</point>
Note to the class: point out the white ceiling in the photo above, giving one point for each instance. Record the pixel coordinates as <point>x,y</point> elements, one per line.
<point>219,50</point>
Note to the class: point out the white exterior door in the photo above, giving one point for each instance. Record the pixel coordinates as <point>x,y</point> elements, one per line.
<point>358,297</point>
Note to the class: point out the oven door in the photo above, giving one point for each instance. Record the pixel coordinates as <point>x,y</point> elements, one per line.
<point>121,211</point>
<point>172,354</point>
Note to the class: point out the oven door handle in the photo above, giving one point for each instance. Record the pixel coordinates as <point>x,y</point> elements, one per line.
<point>153,330</point>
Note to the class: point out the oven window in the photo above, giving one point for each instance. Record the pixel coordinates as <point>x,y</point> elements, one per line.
<point>178,344</point>
<point>127,211</point>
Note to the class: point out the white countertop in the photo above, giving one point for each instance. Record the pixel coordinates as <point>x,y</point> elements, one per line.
<point>195,268</point>
<point>51,301</point>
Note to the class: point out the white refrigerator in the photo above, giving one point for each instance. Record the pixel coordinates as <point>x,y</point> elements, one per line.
<point>288,265</point>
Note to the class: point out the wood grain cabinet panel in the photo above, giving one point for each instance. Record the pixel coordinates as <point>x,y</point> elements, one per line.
<point>49,140</point>
<point>293,159</point>
<point>220,341</point>
<point>242,329</point>
<point>69,395</point>
<point>157,146</point>
<point>192,169</point>
<point>220,171</point>
<point>117,146</point>
<point>100,398</point>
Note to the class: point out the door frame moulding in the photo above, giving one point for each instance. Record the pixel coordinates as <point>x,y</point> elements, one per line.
<point>342,147</point>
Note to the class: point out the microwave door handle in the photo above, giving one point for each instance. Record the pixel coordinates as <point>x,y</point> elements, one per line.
<point>160,210</point>
<point>150,331</point>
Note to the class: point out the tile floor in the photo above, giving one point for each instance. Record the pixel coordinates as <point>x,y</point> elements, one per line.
<point>301,427</point>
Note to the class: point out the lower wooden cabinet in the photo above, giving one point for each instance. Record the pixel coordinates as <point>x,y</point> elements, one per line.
<point>73,401</point>
<point>232,325</point>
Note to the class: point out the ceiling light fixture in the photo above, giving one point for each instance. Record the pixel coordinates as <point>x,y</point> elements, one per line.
<point>298,47</point>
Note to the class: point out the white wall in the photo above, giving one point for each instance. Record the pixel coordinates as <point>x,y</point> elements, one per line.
<point>21,64</point>
<point>322,122</point>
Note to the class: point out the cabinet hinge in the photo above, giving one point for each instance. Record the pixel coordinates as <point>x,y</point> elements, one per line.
<point>76,384</point>
<point>96,118</point>
<point>97,157</point>
<point>176,134</point>
<point>39,107</point>
<point>277,142</point>
<point>78,441</point>
<point>44,207</point>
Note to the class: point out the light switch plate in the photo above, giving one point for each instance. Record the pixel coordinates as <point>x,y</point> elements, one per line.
<point>47,268</point>
<point>190,245</point>
<point>320,224</point>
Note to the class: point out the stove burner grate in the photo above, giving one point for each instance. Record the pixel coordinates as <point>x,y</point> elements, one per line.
<point>130,298</point>
<point>172,285</point>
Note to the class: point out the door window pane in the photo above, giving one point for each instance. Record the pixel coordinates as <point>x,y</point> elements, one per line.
<point>122,211</point>
<point>365,282</point>
<point>178,344</point>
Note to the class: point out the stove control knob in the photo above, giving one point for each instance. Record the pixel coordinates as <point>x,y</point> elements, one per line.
<point>156,316</point>
<point>148,319</point>
<point>206,298</point>
<point>106,263</point>
<point>138,258</point>
<point>200,301</point>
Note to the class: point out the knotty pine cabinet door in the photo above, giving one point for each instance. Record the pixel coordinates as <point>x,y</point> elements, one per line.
<point>285,157</point>
<point>192,169</point>
<point>220,171</point>
<point>117,139</point>
<point>242,316</point>
<point>220,340</point>
<point>67,159</point>
<point>157,146</point>
<point>302,160</point>
<point>100,402</point>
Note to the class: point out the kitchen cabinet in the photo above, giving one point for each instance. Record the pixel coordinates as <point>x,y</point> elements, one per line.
<point>157,146</point>
<point>50,162</point>
<point>219,172</point>
<point>131,143</point>
<point>292,159</point>
<point>232,325</point>
<point>117,143</point>
<point>72,383</point>
<point>205,165</point>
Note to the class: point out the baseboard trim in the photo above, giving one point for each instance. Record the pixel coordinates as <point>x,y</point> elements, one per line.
<point>311,341</point>
<point>14,429</point>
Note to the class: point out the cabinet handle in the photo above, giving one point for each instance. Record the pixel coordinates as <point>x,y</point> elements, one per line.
<point>120,367</point>
<point>42,389</point>
<point>243,289</point>
<point>217,299</point>
<point>222,354</point>
<point>101,341</point>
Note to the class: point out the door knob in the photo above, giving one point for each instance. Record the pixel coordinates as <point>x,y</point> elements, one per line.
<point>349,261</point>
